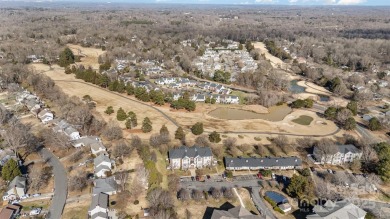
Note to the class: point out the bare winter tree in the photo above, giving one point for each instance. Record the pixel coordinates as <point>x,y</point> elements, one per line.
<point>18,135</point>
<point>136,141</point>
<point>39,177</point>
<point>216,193</point>
<point>122,179</point>
<point>184,194</point>
<point>325,148</point>
<point>122,149</point>
<point>78,182</point>
<point>173,182</point>
<point>197,194</point>
<point>142,176</point>
<point>112,131</point>
<point>56,139</point>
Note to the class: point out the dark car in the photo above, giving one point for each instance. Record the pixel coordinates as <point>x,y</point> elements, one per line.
<point>208,176</point>
<point>312,169</point>
<point>192,178</point>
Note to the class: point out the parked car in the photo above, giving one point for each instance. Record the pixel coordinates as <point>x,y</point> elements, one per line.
<point>15,202</point>
<point>330,171</point>
<point>36,195</point>
<point>273,176</point>
<point>312,169</point>
<point>24,196</point>
<point>35,211</point>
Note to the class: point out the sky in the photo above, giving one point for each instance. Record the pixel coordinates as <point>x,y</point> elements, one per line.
<point>241,2</point>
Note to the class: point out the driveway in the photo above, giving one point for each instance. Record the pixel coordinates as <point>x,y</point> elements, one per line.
<point>60,184</point>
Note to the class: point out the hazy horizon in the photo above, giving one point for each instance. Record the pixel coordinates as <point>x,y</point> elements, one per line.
<point>221,2</point>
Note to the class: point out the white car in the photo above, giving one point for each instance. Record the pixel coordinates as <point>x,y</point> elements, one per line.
<point>35,211</point>
<point>15,202</point>
<point>36,195</point>
<point>24,196</point>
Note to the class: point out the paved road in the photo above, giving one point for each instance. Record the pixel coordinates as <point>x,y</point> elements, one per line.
<point>258,201</point>
<point>359,127</point>
<point>60,184</point>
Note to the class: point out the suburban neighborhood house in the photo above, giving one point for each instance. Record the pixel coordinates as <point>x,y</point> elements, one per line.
<point>107,186</point>
<point>251,163</point>
<point>45,115</point>
<point>238,212</point>
<point>339,209</point>
<point>16,188</point>
<point>190,157</point>
<point>99,206</point>
<point>10,211</point>
<point>344,154</point>
<point>102,165</point>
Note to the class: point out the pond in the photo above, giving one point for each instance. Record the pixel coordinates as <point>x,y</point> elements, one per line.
<point>295,88</point>
<point>276,197</point>
<point>276,113</point>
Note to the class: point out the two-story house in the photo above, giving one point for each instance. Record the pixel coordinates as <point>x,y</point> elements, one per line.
<point>99,206</point>
<point>16,189</point>
<point>102,165</point>
<point>190,157</point>
<point>344,154</point>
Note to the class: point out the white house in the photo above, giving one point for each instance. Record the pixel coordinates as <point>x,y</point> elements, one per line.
<point>198,98</point>
<point>190,157</point>
<point>99,206</point>
<point>102,165</point>
<point>72,133</point>
<point>16,188</point>
<point>344,154</point>
<point>45,115</point>
<point>97,148</point>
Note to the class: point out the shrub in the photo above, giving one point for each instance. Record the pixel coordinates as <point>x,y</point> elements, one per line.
<point>136,202</point>
<point>278,210</point>
<point>197,129</point>
<point>214,137</point>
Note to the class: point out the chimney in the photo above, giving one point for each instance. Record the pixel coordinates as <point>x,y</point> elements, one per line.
<point>277,160</point>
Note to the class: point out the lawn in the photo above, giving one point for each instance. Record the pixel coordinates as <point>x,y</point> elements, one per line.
<point>303,120</point>
<point>78,212</point>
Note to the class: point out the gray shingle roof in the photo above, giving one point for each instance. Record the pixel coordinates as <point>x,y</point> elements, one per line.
<point>19,182</point>
<point>185,151</point>
<point>340,209</point>
<point>238,212</point>
<point>100,159</point>
<point>70,130</point>
<point>100,200</point>
<point>99,215</point>
<point>102,167</point>
<point>107,185</point>
<point>263,162</point>
<point>86,141</point>
<point>347,148</point>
